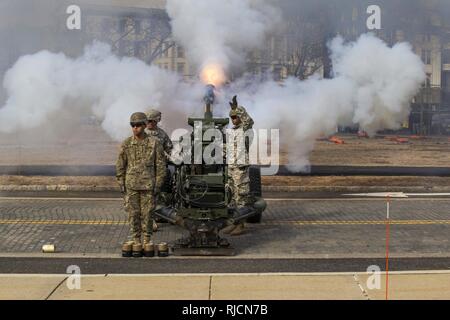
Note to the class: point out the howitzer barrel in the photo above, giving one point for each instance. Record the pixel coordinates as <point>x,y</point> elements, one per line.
<point>209,100</point>
<point>208,118</point>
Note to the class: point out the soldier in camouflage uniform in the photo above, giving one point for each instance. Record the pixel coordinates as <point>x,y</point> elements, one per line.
<point>239,165</point>
<point>140,171</point>
<point>154,117</point>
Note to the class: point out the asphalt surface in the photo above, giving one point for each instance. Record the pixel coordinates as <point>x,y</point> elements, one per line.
<point>118,195</point>
<point>296,235</point>
<point>211,265</point>
<point>110,170</point>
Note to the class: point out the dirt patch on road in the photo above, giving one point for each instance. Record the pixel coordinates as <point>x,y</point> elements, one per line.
<point>383,151</point>
<point>266,181</point>
<point>355,181</point>
<point>89,145</point>
<point>42,180</point>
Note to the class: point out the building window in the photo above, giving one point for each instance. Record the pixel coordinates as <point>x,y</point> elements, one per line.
<point>122,25</point>
<point>139,49</point>
<point>446,56</point>
<point>355,14</point>
<point>446,80</point>
<point>123,47</point>
<point>277,73</point>
<point>106,25</point>
<point>180,67</point>
<point>426,56</point>
<point>137,27</point>
<point>428,81</point>
<point>277,48</point>
<point>180,52</point>
<point>166,49</point>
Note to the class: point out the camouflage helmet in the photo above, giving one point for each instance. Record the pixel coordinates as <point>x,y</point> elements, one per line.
<point>154,115</point>
<point>233,113</point>
<point>237,112</point>
<point>138,117</point>
<point>234,106</point>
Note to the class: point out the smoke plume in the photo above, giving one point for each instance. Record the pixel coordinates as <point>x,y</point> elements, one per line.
<point>373,86</point>
<point>45,83</point>
<point>219,33</point>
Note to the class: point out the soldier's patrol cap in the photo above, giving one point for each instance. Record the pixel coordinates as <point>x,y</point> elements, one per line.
<point>138,117</point>
<point>154,115</point>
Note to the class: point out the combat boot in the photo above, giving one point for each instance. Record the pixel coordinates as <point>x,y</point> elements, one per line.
<point>240,229</point>
<point>127,249</point>
<point>163,249</point>
<point>137,248</point>
<point>149,249</point>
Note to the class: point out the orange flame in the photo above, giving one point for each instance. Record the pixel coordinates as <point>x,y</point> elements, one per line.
<point>213,74</point>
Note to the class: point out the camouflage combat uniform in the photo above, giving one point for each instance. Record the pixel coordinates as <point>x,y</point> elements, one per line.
<point>140,169</point>
<point>238,168</point>
<point>162,136</point>
<point>167,145</point>
<point>238,144</point>
<point>160,133</point>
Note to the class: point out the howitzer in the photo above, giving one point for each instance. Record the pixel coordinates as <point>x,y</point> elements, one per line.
<point>199,196</point>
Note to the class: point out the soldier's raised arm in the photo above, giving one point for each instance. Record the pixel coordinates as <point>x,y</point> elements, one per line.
<point>241,112</point>
<point>121,167</point>
<point>247,121</point>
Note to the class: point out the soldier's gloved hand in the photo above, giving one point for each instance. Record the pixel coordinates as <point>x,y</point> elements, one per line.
<point>234,103</point>
<point>123,190</point>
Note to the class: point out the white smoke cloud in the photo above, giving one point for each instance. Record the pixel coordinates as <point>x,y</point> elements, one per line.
<point>220,32</point>
<point>373,84</point>
<point>373,87</point>
<point>39,85</point>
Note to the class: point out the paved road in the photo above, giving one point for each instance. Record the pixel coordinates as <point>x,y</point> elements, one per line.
<point>292,230</point>
<point>110,170</point>
<point>174,265</point>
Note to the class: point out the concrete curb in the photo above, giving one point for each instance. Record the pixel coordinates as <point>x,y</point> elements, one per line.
<point>275,189</point>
